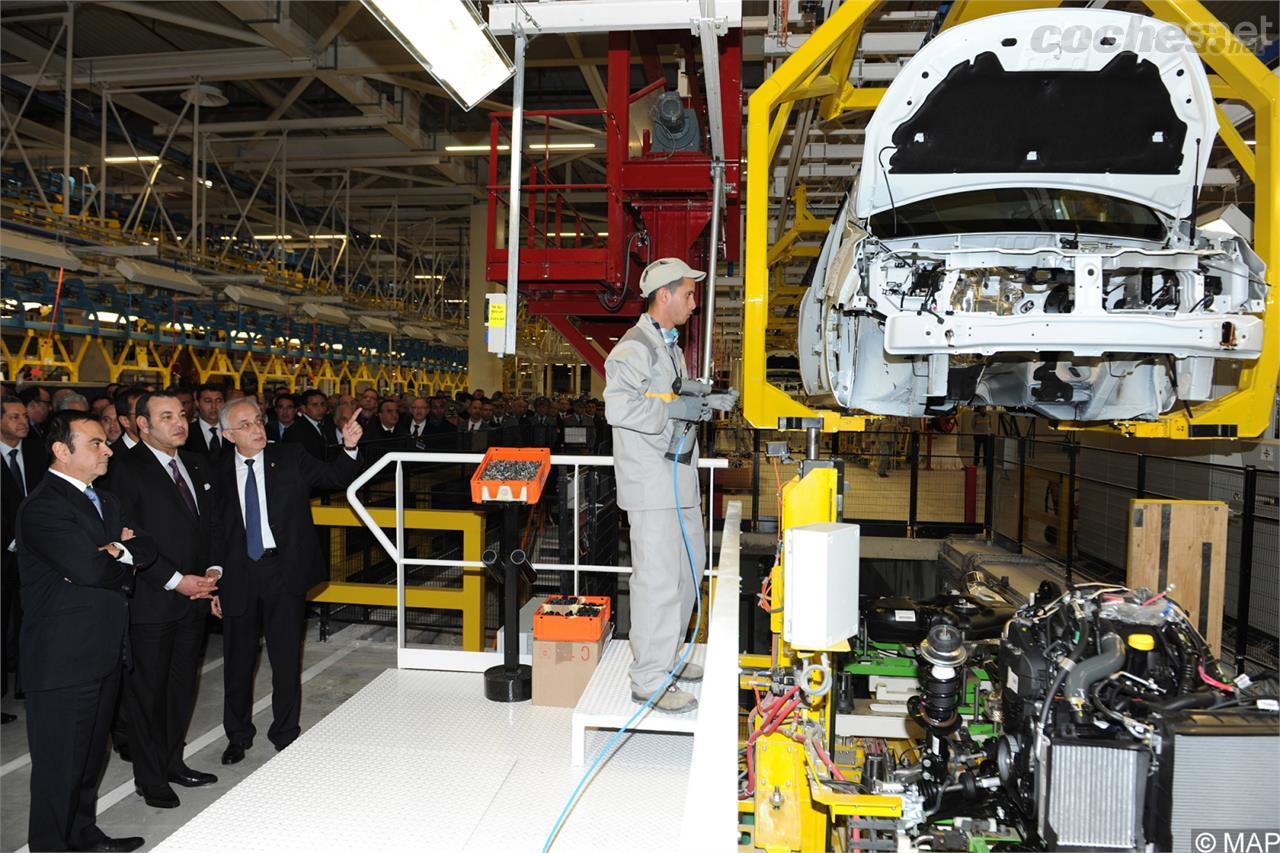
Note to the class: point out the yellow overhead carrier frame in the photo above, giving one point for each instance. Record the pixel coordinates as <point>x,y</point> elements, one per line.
<point>819,69</point>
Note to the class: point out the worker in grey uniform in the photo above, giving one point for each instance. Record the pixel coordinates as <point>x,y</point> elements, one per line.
<point>645,414</point>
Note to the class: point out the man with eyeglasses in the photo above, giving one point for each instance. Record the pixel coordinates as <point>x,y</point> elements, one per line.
<point>266,543</point>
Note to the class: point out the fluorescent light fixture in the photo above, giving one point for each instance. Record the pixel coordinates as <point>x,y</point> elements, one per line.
<point>154,275</point>
<point>375,236</point>
<point>533,146</point>
<point>326,313</point>
<point>256,298</point>
<point>578,234</point>
<point>34,250</point>
<point>378,324</point>
<point>273,236</point>
<point>109,317</point>
<point>129,158</point>
<point>456,301</point>
<point>428,277</point>
<point>451,41</point>
<point>473,149</point>
<point>562,146</point>
<point>1251,142</point>
<point>328,236</point>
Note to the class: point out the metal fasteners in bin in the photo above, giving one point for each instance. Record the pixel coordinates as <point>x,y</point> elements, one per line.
<point>512,474</point>
<point>508,469</point>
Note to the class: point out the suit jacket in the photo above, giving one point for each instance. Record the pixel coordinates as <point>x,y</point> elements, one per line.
<point>274,432</point>
<point>35,461</point>
<point>75,610</point>
<point>316,442</point>
<point>196,443</point>
<point>377,442</point>
<point>183,541</point>
<point>291,473</point>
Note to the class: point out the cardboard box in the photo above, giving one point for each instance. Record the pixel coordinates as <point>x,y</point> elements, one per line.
<point>562,669</point>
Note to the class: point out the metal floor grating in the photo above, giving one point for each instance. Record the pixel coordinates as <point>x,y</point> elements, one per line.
<point>607,702</point>
<point>420,759</point>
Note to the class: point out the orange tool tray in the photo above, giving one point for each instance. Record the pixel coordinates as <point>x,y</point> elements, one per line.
<point>559,618</point>
<point>517,491</point>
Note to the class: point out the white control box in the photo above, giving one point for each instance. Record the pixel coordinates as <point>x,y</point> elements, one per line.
<point>820,585</point>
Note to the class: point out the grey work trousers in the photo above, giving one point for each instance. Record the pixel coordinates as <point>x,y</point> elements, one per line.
<point>662,589</point>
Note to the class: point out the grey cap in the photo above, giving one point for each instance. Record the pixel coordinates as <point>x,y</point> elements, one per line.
<point>666,271</point>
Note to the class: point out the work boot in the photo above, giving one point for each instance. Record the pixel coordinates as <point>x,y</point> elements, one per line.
<point>690,672</point>
<point>672,699</point>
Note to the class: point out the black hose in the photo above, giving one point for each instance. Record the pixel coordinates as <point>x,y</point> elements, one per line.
<point>1074,656</point>
<point>1198,699</point>
<point>1109,660</point>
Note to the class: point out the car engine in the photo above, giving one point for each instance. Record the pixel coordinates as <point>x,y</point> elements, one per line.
<point>1080,720</point>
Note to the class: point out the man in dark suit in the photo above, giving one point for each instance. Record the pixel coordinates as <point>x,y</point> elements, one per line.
<point>266,544</point>
<point>476,429</point>
<point>385,434</point>
<point>39,406</point>
<point>204,435</point>
<point>126,401</point>
<point>25,462</point>
<point>173,490</point>
<point>285,409</point>
<point>76,556</point>
<point>312,428</point>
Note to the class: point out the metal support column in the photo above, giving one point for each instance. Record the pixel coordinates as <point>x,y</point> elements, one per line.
<point>1072,449</point>
<point>988,508</point>
<point>513,211</point>
<point>1022,490</point>
<point>69,80</point>
<point>755,480</point>
<point>713,261</point>
<point>913,451</point>
<point>1245,585</point>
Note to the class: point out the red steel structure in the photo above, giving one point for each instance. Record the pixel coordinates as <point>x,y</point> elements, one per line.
<point>657,204</point>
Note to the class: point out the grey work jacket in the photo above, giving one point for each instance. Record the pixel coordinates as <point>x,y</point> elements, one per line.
<point>642,362</point>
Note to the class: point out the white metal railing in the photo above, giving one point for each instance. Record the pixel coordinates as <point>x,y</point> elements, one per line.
<point>711,797</point>
<point>456,659</point>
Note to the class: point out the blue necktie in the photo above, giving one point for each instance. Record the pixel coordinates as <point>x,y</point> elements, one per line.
<point>93,498</point>
<point>252,514</point>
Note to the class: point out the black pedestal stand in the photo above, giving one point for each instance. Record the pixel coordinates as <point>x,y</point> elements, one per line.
<point>510,681</point>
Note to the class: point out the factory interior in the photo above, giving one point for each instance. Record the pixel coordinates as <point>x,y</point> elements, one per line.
<point>767,425</point>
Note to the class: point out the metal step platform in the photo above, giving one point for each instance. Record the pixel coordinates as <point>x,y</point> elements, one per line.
<point>607,702</point>
<point>420,759</point>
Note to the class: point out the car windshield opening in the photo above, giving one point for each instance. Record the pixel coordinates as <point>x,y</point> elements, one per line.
<point>1021,209</point>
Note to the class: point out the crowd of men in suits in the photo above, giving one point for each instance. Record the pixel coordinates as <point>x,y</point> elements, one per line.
<point>136,517</point>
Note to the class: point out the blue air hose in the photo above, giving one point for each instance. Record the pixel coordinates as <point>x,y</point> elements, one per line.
<point>697,597</point>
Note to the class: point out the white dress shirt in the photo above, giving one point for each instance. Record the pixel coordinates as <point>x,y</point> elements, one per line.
<point>417,428</point>
<point>5,450</point>
<point>260,476</point>
<point>206,430</point>
<point>315,423</point>
<point>129,441</point>
<point>125,557</point>
<point>164,460</point>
